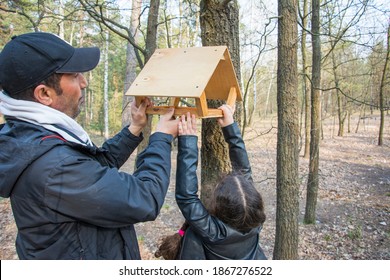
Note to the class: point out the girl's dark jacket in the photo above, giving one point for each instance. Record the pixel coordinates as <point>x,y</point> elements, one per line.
<point>70,201</point>
<point>208,237</point>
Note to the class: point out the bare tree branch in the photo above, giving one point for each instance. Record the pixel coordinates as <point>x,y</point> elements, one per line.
<point>96,11</point>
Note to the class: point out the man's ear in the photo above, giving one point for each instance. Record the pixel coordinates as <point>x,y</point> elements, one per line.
<point>43,94</point>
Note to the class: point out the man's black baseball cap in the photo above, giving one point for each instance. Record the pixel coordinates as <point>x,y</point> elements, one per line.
<point>30,58</point>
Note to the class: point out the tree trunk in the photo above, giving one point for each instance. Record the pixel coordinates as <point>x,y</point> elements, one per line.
<point>219,21</point>
<point>382,85</point>
<point>312,184</point>
<point>340,100</point>
<point>287,208</point>
<point>61,25</point>
<point>131,61</point>
<point>151,44</point>
<point>306,82</point>
<point>105,91</point>
<point>271,82</point>
<point>360,117</point>
<point>252,109</point>
<point>349,113</point>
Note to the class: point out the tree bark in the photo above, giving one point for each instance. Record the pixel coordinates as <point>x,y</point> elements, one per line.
<point>382,85</point>
<point>151,44</point>
<point>306,82</point>
<point>131,61</point>
<point>287,208</point>
<point>105,87</point>
<point>219,21</point>
<point>313,179</point>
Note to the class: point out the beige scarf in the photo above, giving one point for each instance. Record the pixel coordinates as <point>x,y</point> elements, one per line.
<point>49,118</point>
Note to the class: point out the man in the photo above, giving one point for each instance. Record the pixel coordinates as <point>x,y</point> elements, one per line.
<point>68,197</point>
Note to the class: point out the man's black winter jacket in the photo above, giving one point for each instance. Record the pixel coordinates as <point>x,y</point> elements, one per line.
<point>70,201</point>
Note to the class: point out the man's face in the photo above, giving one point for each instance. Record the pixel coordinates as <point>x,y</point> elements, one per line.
<point>71,100</point>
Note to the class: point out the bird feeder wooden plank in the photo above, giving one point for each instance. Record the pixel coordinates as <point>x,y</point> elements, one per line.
<point>201,73</point>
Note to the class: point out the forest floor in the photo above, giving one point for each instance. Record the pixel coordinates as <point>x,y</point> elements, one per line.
<point>353,209</point>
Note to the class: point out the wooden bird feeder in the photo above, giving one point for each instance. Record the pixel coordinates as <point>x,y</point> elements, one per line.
<point>201,73</point>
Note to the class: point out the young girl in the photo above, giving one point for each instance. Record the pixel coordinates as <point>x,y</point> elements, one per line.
<point>230,230</point>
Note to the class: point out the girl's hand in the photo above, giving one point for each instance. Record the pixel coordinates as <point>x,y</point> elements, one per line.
<point>187,125</point>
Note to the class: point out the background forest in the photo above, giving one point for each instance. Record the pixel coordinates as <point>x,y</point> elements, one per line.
<point>338,59</point>
<point>353,36</point>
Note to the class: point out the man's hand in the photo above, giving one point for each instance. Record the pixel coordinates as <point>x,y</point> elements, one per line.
<point>227,118</point>
<point>167,123</point>
<point>139,117</point>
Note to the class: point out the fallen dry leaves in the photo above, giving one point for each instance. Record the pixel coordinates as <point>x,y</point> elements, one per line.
<point>353,210</point>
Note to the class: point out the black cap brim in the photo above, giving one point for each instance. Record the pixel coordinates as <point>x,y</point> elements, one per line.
<point>83,60</point>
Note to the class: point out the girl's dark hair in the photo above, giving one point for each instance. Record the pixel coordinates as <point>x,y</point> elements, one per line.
<point>237,203</point>
<point>170,245</point>
<point>52,81</point>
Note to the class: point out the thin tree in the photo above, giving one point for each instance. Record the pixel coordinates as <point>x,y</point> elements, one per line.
<point>131,60</point>
<point>381,90</point>
<point>105,87</point>
<point>261,46</point>
<point>150,47</point>
<point>313,179</point>
<point>305,80</point>
<point>95,10</point>
<point>338,27</point>
<point>287,206</point>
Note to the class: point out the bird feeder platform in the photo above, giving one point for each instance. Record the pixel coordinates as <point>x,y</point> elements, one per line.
<point>199,73</point>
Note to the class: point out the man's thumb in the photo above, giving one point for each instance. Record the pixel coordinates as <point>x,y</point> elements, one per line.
<point>169,114</point>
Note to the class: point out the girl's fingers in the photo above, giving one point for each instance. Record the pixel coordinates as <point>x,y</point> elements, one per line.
<point>194,123</point>
<point>187,125</point>
<point>180,126</point>
<point>189,120</point>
